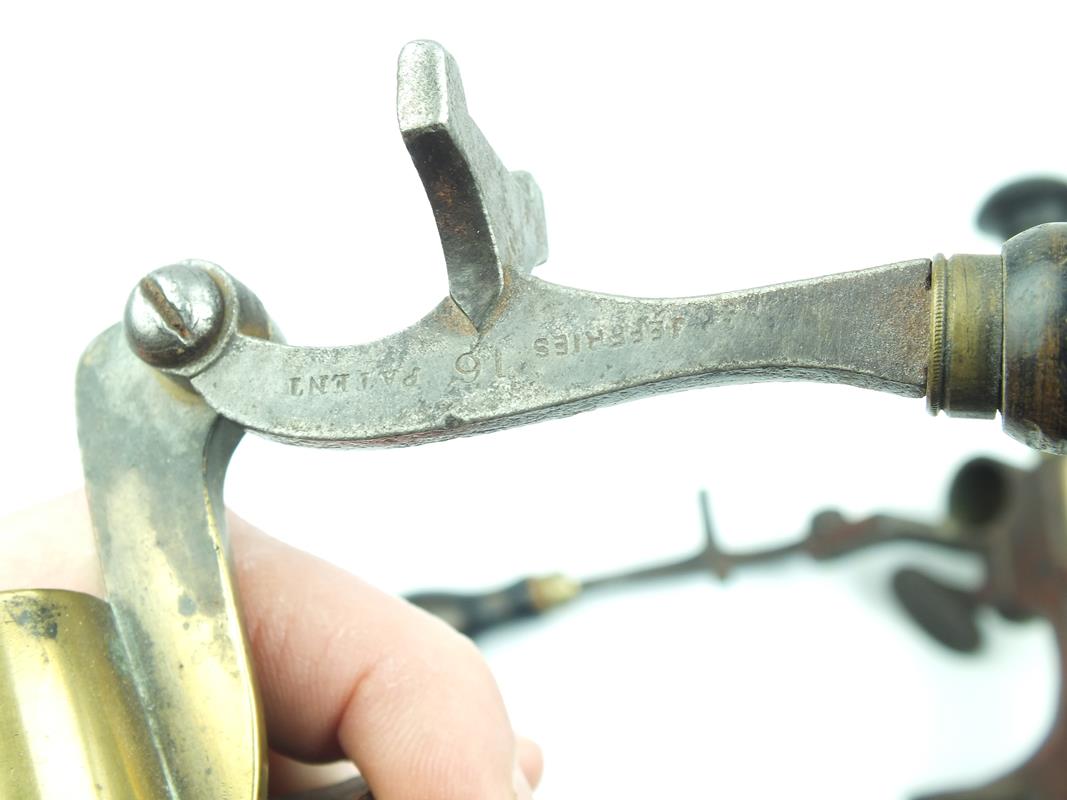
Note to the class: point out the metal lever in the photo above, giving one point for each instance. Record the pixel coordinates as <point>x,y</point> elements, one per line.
<point>164,398</point>
<point>975,334</point>
<point>490,220</point>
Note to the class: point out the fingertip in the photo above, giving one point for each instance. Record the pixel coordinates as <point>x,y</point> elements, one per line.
<point>531,760</point>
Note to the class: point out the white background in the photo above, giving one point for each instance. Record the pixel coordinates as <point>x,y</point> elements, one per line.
<point>682,149</point>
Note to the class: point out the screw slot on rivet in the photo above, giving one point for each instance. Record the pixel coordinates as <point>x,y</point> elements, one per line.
<point>174,315</point>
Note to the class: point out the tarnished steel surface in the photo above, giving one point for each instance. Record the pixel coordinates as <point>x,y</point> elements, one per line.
<point>155,456</point>
<point>489,219</point>
<point>173,315</point>
<point>553,351</point>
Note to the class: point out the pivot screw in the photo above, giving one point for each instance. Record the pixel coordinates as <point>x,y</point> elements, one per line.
<point>174,315</point>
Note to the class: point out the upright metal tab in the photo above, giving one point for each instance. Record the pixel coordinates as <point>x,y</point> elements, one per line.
<point>489,219</point>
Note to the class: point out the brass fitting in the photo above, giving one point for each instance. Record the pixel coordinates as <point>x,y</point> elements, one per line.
<point>998,337</point>
<point>966,328</point>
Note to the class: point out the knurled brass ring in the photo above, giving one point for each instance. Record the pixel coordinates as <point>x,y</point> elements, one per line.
<point>935,371</point>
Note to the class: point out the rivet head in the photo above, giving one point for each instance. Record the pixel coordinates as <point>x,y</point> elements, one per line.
<point>174,315</point>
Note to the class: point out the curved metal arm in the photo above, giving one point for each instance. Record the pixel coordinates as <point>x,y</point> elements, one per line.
<point>975,334</point>
<point>553,351</point>
<point>155,457</point>
<point>504,349</point>
<point>508,348</point>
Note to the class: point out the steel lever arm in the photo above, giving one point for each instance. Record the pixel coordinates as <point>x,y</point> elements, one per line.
<point>975,334</point>
<point>159,418</point>
<point>552,351</point>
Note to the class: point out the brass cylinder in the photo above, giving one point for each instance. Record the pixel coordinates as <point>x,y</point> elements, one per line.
<point>966,333</point>
<point>72,725</point>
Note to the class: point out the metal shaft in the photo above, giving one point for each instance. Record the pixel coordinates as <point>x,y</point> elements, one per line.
<point>553,351</point>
